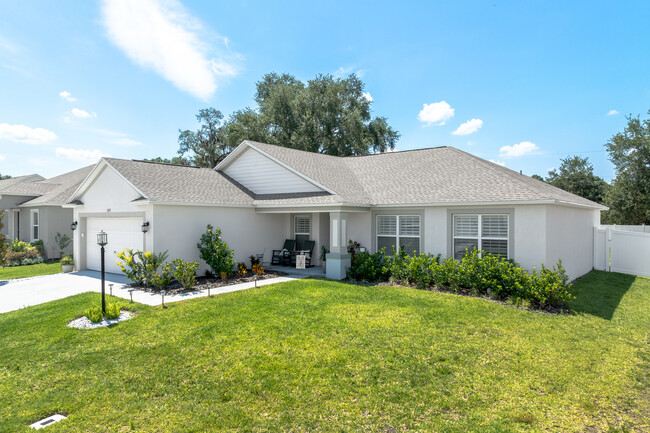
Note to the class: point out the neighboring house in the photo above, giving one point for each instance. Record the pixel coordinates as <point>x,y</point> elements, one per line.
<point>32,208</point>
<point>439,200</point>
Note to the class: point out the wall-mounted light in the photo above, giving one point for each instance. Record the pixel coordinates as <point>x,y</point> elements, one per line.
<point>73,226</point>
<point>145,227</point>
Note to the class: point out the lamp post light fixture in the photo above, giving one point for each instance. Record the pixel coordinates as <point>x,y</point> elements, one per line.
<point>131,294</point>
<point>256,277</point>
<point>162,292</point>
<point>145,227</point>
<point>102,240</point>
<point>110,287</point>
<point>73,226</point>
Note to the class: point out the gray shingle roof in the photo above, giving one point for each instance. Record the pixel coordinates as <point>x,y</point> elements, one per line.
<point>57,190</point>
<point>434,175</point>
<point>180,184</point>
<point>429,176</point>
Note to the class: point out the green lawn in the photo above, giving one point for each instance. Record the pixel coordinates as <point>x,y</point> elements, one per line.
<point>30,270</point>
<point>314,355</point>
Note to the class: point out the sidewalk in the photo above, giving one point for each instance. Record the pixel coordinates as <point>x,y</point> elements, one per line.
<point>25,292</point>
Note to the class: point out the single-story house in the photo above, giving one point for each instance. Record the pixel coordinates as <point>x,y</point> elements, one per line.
<point>438,200</point>
<point>32,208</point>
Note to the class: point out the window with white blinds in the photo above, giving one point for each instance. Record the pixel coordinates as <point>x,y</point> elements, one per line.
<point>483,232</point>
<point>398,230</point>
<point>302,230</point>
<point>36,225</point>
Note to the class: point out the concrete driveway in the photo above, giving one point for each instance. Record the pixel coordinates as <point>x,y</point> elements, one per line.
<point>24,292</point>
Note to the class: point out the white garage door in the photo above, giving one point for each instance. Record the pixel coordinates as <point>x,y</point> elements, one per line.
<point>122,233</point>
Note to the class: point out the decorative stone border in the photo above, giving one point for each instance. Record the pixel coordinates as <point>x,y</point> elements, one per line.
<point>84,323</point>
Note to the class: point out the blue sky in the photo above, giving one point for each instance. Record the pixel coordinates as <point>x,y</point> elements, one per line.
<point>520,83</point>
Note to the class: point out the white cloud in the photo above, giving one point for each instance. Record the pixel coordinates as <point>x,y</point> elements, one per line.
<point>469,127</point>
<point>26,134</point>
<point>344,71</point>
<point>519,149</point>
<point>67,96</point>
<point>496,161</point>
<point>2,157</point>
<point>438,113</point>
<point>82,114</point>
<point>612,113</point>
<point>368,96</point>
<point>80,154</point>
<point>124,142</point>
<point>162,36</point>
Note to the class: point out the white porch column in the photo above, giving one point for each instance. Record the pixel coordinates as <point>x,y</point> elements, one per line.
<point>338,260</point>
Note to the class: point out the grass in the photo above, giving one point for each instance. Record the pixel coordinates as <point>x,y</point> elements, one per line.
<point>315,355</point>
<point>47,268</point>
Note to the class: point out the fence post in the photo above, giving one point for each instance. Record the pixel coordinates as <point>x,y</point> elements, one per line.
<point>608,242</point>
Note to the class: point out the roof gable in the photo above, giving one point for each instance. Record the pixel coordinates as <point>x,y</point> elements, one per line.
<point>261,173</point>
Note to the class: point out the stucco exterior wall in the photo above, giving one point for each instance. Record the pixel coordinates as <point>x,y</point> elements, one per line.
<point>53,220</point>
<point>108,196</point>
<point>359,228</point>
<point>435,233</point>
<point>178,229</point>
<point>530,235</point>
<point>570,237</point>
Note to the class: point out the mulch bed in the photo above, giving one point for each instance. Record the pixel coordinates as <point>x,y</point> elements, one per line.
<point>202,283</point>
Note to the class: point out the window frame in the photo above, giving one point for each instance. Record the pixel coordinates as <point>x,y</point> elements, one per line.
<point>479,237</point>
<point>397,234</point>
<point>295,228</point>
<point>33,226</point>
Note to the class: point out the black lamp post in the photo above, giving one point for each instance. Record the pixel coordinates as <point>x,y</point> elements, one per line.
<point>102,240</point>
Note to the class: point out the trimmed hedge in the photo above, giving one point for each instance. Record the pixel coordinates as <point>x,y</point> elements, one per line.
<point>478,273</point>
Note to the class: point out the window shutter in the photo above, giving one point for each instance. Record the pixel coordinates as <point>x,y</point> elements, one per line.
<point>386,225</point>
<point>466,226</point>
<point>494,226</point>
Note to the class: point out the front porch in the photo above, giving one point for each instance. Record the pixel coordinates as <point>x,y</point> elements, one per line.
<point>314,271</point>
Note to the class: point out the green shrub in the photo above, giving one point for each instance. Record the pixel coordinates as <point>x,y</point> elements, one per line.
<point>185,272</point>
<point>19,251</point>
<point>94,313</point>
<point>139,266</point>
<point>369,267</point>
<point>38,245</point>
<point>215,251</point>
<point>258,269</point>
<point>67,260</point>
<point>18,246</point>
<point>478,273</point>
<point>113,310</point>
<point>164,278</point>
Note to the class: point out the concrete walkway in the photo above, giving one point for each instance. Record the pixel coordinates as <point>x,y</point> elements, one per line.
<point>24,292</point>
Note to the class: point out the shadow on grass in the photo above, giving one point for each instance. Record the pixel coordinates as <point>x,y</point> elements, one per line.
<point>599,293</point>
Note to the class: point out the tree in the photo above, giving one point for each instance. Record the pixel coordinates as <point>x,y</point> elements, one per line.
<point>206,146</point>
<point>576,175</point>
<point>3,177</point>
<point>178,160</point>
<point>326,115</point>
<point>629,151</point>
<point>538,177</point>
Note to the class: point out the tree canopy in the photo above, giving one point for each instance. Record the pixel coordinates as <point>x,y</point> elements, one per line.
<point>3,177</point>
<point>629,195</point>
<point>576,175</point>
<point>326,115</point>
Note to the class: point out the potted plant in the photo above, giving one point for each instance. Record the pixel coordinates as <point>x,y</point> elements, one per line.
<point>67,263</point>
<point>323,257</point>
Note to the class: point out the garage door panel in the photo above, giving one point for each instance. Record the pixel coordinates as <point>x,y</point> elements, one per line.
<point>122,233</point>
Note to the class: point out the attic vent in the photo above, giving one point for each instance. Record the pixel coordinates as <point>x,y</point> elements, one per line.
<point>47,421</point>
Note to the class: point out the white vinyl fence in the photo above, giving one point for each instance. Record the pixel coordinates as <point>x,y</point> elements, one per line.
<point>622,251</point>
